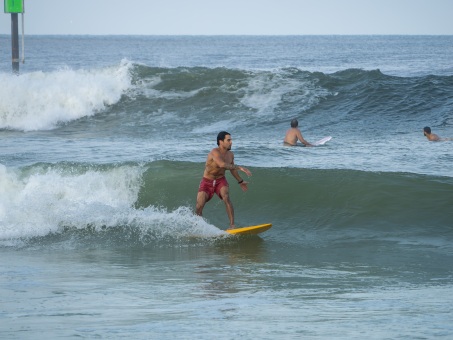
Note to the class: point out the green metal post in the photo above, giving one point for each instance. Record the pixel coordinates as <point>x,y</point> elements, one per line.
<point>14,7</point>
<point>15,41</point>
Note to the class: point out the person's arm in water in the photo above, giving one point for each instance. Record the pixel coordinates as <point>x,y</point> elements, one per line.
<point>302,140</point>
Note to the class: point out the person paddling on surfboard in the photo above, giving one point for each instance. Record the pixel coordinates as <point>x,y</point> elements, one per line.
<point>432,137</point>
<point>218,161</point>
<point>294,134</point>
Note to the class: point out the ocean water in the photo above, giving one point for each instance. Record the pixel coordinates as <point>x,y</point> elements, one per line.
<point>104,140</point>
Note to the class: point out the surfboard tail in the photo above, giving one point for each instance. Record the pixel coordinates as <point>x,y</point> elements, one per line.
<point>250,230</point>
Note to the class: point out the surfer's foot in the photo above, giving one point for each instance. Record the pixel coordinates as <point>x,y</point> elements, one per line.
<point>232,226</point>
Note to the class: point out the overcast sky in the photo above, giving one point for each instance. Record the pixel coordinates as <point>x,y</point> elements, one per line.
<point>225,17</point>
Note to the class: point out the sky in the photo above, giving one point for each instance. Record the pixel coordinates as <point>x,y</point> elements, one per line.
<point>235,17</point>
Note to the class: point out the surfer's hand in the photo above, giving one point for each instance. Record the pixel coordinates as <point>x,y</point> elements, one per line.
<point>244,186</point>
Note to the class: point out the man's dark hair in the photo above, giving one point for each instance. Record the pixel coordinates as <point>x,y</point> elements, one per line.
<point>427,129</point>
<point>222,135</point>
<point>294,123</point>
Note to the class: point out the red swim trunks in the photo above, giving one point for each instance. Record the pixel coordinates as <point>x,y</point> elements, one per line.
<point>211,186</point>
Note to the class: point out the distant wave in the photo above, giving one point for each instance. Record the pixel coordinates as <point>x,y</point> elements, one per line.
<point>207,97</point>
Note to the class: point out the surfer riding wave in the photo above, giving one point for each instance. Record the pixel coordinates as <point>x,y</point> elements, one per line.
<point>218,161</point>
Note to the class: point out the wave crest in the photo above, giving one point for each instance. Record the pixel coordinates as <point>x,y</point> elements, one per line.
<point>42,100</point>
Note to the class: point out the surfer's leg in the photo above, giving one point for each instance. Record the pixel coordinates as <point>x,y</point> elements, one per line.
<point>205,193</point>
<point>225,195</point>
<point>202,198</point>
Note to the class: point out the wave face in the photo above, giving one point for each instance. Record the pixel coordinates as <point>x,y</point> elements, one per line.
<point>208,98</point>
<point>148,204</point>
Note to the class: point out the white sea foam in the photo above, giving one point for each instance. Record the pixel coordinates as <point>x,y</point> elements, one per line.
<point>41,201</point>
<point>41,100</point>
<point>266,91</point>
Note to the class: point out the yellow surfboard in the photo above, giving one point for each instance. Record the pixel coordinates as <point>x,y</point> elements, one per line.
<point>251,230</point>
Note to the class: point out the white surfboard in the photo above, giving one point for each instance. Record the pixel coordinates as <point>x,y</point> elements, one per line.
<point>322,141</point>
